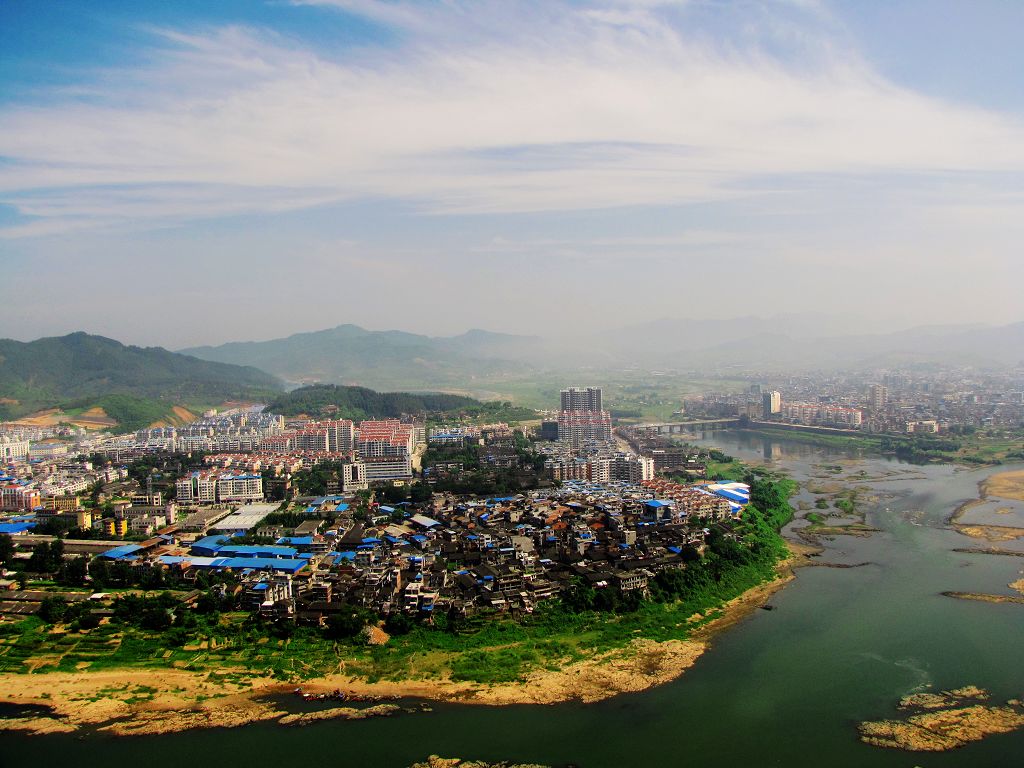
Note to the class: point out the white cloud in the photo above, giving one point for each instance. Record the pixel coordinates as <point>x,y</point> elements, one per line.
<point>480,109</point>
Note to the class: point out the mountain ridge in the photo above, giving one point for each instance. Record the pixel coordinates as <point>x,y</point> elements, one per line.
<point>78,369</point>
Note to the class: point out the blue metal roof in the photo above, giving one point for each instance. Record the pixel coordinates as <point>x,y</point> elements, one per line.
<point>211,542</point>
<point>257,551</point>
<point>725,493</point>
<point>296,541</point>
<point>16,527</point>
<point>122,552</point>
<point>288,565</point>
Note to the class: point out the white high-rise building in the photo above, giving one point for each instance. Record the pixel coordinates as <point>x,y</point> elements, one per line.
<point>879,396</point>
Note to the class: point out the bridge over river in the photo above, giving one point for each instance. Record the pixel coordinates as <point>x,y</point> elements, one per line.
<point>676,427</point>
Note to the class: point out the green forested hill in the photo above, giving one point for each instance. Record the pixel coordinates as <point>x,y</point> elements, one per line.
<point>362,403</point>
<point>79,370</point>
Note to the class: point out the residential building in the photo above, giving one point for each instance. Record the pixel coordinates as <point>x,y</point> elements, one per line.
<point>771,403</point>
<point>582,399</point>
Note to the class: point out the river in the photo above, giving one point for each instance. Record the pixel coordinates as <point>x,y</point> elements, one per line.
<point>785,687</point>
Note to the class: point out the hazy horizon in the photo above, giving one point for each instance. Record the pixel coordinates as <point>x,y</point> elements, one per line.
<point>193,173</point>
<point>834,326</point>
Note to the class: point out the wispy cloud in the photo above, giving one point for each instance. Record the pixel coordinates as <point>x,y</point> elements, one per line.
<point>481,108</point>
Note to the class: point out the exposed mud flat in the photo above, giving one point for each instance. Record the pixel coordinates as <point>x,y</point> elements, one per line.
<point>937,722</point>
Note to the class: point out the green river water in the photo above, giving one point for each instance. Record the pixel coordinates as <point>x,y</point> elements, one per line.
<point>785,687</point>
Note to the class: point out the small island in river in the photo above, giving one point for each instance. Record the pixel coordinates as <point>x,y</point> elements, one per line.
<point>936,722</point>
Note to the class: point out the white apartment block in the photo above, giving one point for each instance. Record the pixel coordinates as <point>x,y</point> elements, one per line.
<point>632,469</point>
<point>822,413</point>
<point>239,488</point>
<point>13,450</point>
<point>353,476</point>
<point>378,439</point>
<point>341,435</point>
<point>197,488</point>
<point>311,440</point>
<point>388,468</point>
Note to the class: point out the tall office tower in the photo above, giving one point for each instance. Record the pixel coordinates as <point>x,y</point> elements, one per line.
<point>879,395</point>
<point>772,402</point>
<point>579,399</point>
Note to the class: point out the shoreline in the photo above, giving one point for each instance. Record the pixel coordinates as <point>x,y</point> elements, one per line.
<point>157,701</point>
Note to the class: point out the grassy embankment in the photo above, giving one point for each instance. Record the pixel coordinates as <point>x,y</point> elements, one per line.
<point>484,649</point>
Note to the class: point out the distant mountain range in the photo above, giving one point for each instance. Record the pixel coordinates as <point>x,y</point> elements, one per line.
<point>79,370</point>
<point>399,360</point>
<point>382,359</point>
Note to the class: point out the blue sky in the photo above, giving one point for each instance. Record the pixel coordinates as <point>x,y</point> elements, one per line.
<point>196,172</point>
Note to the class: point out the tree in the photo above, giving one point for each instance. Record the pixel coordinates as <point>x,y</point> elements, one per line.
<point>349,622</point>
<point>56,556</point>
<point>398,623</point>
<point>395,494</point>
<point>578,596</point>
<point>72,572</point>
<point>52,610</point>
<point>6,548</point>
<point>420,493</point>
<point>40,560</point>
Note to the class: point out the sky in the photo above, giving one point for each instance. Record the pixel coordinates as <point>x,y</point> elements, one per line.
<point>191,173</point>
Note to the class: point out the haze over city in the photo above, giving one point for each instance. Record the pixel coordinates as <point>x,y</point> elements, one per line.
<point>242,170</point>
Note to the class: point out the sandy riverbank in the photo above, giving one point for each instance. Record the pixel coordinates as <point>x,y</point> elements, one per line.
<point>131,701</point>
<point>1005,485</point>
<point>1002,485</point>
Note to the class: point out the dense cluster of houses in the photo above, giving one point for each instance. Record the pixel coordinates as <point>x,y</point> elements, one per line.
<point>505,554</point>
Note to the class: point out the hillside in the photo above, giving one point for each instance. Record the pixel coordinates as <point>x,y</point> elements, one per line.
<point>360,403</point>
<point>349,354</point>
<point>133,385</point>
